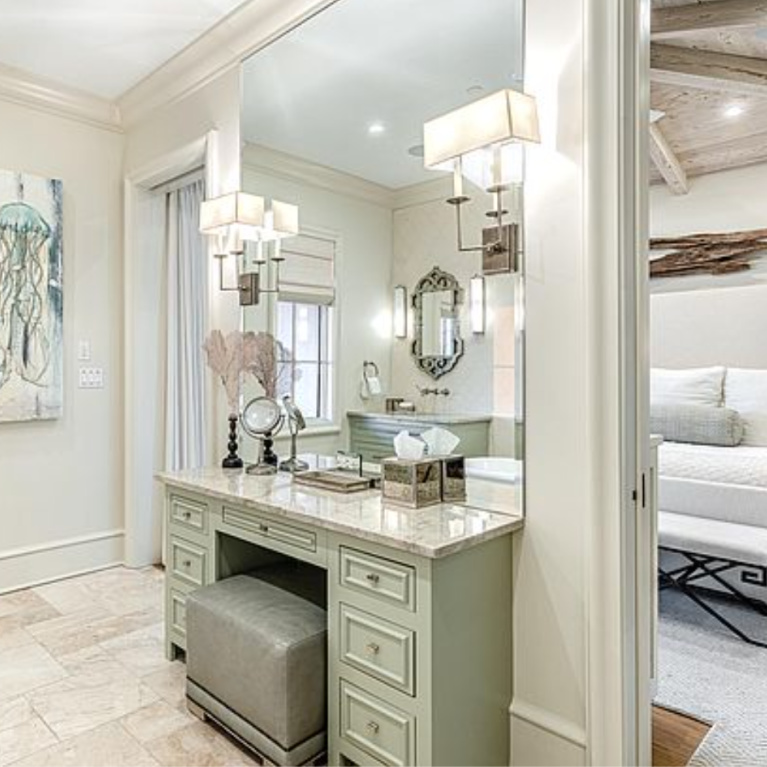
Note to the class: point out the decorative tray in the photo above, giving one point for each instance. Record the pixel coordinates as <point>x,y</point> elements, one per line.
<point>337,481</point>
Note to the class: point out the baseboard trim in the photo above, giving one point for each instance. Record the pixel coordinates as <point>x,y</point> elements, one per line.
<point>34,565</point>
<point>553,724</point>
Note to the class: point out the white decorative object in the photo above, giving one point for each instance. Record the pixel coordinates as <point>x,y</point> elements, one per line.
<point>440,442</point>
<point>693,386</point>
<point>409,448</point>
<point>477,304</point>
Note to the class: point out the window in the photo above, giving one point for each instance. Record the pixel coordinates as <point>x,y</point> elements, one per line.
<point>306,331</point>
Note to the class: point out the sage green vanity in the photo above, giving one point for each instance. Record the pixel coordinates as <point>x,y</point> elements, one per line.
<point>372,434</point>
<point>419,606</point>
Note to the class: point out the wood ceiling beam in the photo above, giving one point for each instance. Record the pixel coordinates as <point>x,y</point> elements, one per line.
<point>720,14</point>
<point>666,161</point>
<point>689,68</point>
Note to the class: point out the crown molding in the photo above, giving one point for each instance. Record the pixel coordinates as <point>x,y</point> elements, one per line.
<point>45,95</point>
<point>243,32</point>
<point>292,168</point>
<point>434,190</point>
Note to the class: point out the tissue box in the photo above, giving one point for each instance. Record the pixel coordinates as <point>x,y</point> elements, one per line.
<point>453,478</point>
<point>412,483</point>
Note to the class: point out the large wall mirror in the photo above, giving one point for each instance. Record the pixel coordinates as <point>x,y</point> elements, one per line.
<point>332,122</point>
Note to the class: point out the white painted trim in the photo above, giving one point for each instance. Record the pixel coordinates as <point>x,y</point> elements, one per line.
<point>247,29</point>
<point>291,168</point>
<point>549,722</point>
<point>42,563</point>
<point>38,93</point>
<point>173,164</point>
<point>435,190</point>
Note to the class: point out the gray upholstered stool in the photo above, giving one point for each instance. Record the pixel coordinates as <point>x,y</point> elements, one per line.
<point>256,663</point>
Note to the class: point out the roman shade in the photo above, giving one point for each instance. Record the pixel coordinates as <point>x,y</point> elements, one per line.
<point>308,273</point>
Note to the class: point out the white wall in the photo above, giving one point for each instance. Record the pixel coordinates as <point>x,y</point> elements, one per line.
<point>425,236</point>
<point>363,283</point>
<point>707,320</point>
<point>724,326</point>
<point>61,481</point>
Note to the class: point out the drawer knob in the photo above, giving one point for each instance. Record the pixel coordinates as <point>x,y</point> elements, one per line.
<point>187,515</point>
<point>263,528</point>
<point>373,727</point>
<point>187,563</point>
<point>373,577</point>
<point>373,648</point>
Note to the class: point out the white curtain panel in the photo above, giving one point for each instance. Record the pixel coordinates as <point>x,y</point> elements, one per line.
<point>187,320</point>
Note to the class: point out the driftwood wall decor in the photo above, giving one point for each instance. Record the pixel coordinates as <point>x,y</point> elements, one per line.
<point>707,253</point>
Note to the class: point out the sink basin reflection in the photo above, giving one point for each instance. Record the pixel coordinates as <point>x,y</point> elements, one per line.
<point>507,470</point>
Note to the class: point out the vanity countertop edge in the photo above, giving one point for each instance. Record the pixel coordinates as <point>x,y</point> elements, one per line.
<point>407,415</point>
<point>433,531</point>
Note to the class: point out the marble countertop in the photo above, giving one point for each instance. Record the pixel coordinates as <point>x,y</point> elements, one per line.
<point>441,418</point>
<point>492,510</point>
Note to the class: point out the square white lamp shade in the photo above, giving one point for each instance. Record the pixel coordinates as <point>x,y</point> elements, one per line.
<point>502,117</point>
<point>237,211</point>
<point>281,221</point>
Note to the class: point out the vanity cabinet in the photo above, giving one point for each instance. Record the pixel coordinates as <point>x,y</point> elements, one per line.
<point>419,612</point>
<point>372,434</point>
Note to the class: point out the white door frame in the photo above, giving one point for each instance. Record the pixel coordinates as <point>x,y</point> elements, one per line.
<point>619,602</point>
<point>139,520</point>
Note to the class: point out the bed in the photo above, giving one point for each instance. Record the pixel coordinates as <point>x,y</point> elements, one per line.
<point>712,498</point>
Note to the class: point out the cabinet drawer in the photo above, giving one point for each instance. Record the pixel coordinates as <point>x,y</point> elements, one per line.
<point>188,514</point>
<point>291,535</point>
<point>383,579</point>
<point>177,611</point>
<point>377,727</point>
<point>187,562</point>
<point>378,647</point>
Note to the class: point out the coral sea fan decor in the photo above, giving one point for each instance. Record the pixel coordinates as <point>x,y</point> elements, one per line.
<point>31,297</point>
<point>226,359</point>
<point>270,363</point>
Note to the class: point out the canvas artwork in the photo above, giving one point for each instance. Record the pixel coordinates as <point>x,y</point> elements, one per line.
<point>31,297</point>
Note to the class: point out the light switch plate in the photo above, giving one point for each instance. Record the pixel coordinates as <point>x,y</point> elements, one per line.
<point>91,378</point>
<point>84,351</point>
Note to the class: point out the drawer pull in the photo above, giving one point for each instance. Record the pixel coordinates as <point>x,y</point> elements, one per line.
<point>187,563</point>
<point>373,648</point>
<point>263,528</point>
<point>187,515</point>
<point>373,727</point>
<point>373,577</point>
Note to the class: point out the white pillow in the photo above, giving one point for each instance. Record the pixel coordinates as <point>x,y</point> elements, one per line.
<point>746,391</point>
<point>693,386</point>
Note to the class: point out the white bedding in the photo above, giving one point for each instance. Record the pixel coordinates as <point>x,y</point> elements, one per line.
<point>743,465</point>
<point>723,483</point>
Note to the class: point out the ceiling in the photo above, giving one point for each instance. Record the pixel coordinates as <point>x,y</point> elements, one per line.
<point>103,47</point>
<point>394,64</point>
<point>709,79</point>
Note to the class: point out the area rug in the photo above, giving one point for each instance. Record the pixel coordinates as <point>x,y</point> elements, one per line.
<point>707,672</point>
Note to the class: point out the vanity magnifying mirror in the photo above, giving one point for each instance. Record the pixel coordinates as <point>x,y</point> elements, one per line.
<point>437,345</point>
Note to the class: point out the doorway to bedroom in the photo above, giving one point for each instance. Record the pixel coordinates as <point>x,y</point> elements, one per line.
<point>708,352</point>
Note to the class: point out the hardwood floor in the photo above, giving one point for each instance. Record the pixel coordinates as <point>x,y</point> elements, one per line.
<point>675,737</point>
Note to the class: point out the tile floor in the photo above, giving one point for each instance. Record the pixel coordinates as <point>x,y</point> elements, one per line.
<point>84,680</point>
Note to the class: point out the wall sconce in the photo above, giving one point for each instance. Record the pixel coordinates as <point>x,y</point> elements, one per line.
<point>483,142</point>
<point>400,311</point>
<point>240,217</point>
<point>477,304</point>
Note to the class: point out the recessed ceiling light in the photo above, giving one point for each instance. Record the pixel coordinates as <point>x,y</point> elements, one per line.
<point>475,90</point>
<point>733,111</point>
<point>376,129</point>
<point>416,150</point>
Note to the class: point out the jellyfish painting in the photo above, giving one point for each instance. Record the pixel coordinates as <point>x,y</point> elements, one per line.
<point>30,298</point>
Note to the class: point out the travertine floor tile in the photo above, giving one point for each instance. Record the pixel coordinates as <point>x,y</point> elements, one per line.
<point>15,712</point>
<point>26,668</point>
<point>198,745</point>
<point>23,740</point>
<point>142,651</point>
<point>169,683</point>
<point>107,746</point>
<point>13,633</point>
<point>26,606</point>
<point>156,720</point>
<point>100,692</point>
